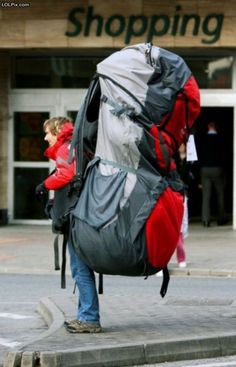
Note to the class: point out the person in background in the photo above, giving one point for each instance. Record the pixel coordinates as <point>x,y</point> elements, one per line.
<point>212,160</point>
<point>183,168</point>
<point>58,134</point>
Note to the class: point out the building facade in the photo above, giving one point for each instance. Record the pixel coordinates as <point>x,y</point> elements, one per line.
<point>48,54</point>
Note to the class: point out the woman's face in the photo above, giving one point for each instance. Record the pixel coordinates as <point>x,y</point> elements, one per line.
<point>49,137</point>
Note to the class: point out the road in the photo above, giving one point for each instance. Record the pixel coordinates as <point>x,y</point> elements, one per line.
<point>20,294</point>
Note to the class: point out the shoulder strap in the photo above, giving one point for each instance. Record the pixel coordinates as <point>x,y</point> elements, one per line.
<point>77,142</point>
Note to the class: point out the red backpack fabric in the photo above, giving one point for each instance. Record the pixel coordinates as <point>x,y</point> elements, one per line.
<point>163,225</point>
<point>163,228</point>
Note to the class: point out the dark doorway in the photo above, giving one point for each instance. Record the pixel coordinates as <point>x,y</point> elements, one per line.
<point>223,116</point>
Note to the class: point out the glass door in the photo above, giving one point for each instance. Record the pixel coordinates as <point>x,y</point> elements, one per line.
<point>30,167</point>
<point>27,164</point>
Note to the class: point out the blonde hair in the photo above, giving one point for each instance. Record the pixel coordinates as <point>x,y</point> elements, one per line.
<point>55,124</point>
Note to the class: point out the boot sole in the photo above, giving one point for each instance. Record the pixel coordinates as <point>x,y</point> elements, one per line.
<point>76,331</point>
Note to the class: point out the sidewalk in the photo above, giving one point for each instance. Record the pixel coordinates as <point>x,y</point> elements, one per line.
<point>139,331</point>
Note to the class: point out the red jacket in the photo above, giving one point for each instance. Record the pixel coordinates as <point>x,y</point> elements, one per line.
<point>60,153</point>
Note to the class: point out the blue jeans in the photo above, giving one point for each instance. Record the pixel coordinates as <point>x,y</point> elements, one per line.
<point>88,305</point>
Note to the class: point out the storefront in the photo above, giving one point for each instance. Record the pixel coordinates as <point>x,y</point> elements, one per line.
<point>49,52</point>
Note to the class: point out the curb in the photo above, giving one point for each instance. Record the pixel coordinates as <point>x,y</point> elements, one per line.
<point>53,317</point>
<point>129,355</point>
<point>175,271</point>
<point>191,270</point>
<point>198,272</point>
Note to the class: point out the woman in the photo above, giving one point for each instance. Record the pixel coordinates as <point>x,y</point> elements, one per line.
<point>58,134</point>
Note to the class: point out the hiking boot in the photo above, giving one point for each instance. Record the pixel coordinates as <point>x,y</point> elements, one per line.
<point>77,327</point>
<point>70,323</point>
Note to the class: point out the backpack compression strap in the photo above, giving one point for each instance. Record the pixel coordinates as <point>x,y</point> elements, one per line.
<point>142,117</point>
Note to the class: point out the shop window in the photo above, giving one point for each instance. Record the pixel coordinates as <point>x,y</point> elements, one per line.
<point>76,72</point>
<point>214,72</point>
<point>29,144</point>
<point>52,72</point>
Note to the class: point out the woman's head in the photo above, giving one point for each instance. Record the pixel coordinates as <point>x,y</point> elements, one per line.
<point>52,128</point>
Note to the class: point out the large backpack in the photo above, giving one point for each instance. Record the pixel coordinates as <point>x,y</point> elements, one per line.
<point>138,109</point>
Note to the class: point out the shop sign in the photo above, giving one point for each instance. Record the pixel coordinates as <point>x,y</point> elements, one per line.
<point>158,25</point>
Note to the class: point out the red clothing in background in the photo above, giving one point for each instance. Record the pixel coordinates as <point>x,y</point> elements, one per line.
<point>60,153</point>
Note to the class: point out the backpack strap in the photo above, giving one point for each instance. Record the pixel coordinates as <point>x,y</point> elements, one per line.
<point>100,283</point>
<point>77,141</point>
<point>148,53</point>
<point>165,152</point>
<point>63,264</point>
<point>165,282</point>
<point>56,252</point>
<point>117,165</point>
<point>56,258</point>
